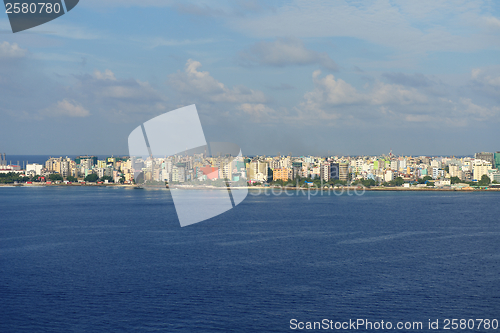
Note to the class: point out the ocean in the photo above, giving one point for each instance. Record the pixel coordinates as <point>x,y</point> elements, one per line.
<point>108,259</point>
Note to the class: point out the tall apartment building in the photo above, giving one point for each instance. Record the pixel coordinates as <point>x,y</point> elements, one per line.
<point>389,176</point>
<point>344,171</point>
<point>65,167</point>
<point>257,171</point>
<point>34,169</point>
<point>90,160</point>
<point>102,163</point>
<point>297,170</point>
<point>480,168</point>
<point>489,157</point>
<point>53,164</point>
<point>334,171</point>
<point>436,164</point>
<point>325,171</point>
<point>402,164</point>
<point>280,174</point>
<point>226,169</point>
<point>456,171</point>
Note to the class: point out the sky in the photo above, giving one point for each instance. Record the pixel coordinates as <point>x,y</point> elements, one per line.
<point>307,77</point>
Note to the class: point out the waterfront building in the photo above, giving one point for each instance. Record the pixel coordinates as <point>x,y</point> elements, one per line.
<point>344,171</point>
<point>34,169</point>
<point>389,175</point>
<point>488,157</point>
<point>480,168</point>
<point>280,174</point>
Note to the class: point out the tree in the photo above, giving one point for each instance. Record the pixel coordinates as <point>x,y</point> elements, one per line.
<point>398,181</point>
<point>92,178</point>
<point>365,182</point>
<point>108,178</point>
<point>455,180</point>
<point>485,181</point>
<point>10,177</point>
<point>122,180</point>
<point>71,179</point>
<point>55,176</point>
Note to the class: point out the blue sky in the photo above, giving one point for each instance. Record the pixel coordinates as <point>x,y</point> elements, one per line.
<point>307,77</point>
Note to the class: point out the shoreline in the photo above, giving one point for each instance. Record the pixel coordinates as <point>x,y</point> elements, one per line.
<point>396,189</point>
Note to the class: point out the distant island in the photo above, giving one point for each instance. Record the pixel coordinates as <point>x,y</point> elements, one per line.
<point>385,172</point>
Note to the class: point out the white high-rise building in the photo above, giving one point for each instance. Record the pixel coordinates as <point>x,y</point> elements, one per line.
<point>480,168</point>
<point>34,168</point>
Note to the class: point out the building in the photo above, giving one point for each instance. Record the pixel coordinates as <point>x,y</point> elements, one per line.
<point>325,171</point>
<point>297,170</point>
<point>494,175</point>
<point>102,163</point>
<point>480,168</point>
<point>90,160</point>
<point>334,171</point>
<point>344,171</point>
<point>389,176</point>
<point>437,173</point>
<point>34,169</point>
<point>210,172</point>
<point>53,164</point>
<point>488,157</point>
<point>456,171</point>
<point>280,174</point>
<point>226,169</point>
<point>443,182</point>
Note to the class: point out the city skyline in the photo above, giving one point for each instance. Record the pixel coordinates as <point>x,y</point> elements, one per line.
<point>196,167</point>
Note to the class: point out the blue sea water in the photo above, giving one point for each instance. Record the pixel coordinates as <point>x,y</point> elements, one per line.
<point>116,260</point>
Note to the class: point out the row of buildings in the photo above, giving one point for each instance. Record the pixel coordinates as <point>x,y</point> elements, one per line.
<point>197,168</point>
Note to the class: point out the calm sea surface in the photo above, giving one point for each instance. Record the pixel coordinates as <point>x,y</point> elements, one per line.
<point>116,260</point>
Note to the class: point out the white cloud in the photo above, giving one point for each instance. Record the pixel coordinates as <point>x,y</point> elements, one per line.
<point>8,50</point>
<point>337,102</point>
<point>477,112</point>
<point>479,75</point>
<point>199,84</point>
<point>327,90</point>
<point>284,52</point>
<point>65,108</point>
<point>414,27</point>
<point>106,75</point>
<point>492,22</point>
<point>260,112</point>
<point>486,82</point>
<point>384,93</point>
<point>334,92</point>
<point>105,87</point>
